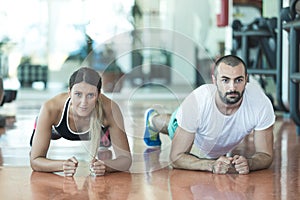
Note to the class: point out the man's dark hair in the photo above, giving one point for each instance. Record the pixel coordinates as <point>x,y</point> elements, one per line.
<point>229,60</point>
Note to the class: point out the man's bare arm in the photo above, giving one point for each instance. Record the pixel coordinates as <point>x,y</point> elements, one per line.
<point>182,159</point>
<point>263,158</point>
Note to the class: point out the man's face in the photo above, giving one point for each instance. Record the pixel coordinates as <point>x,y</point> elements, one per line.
<point>230,82</point>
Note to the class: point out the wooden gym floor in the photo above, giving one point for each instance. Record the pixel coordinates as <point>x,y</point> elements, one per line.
<point>150,176</point>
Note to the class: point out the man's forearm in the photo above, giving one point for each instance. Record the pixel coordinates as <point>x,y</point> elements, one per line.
<point>259,161</point>
<point>191,162</point>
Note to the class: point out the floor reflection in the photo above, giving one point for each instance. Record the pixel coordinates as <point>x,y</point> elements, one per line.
<point>53,186</point>
<point>286,162</point>
<point>230,186</point>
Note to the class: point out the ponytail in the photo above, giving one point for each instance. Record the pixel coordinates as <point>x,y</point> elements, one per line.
<point>96,128</point>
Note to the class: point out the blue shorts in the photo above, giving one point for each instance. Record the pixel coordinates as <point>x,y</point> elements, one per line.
<point>172,126</point>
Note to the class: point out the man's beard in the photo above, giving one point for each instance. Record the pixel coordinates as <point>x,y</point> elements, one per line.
<point>231,100</point>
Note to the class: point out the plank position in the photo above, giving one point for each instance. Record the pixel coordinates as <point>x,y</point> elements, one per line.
<point>214,119</point>
<point>82,113</point>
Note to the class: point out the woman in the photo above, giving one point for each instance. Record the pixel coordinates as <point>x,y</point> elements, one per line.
<point>82,113</point>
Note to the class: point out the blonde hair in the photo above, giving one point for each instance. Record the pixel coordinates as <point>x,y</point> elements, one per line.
<point>96,122</point>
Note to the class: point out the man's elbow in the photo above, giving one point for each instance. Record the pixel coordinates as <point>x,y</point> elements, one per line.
<point>174,158</point>
<point>269,161</point>
<point>260,160</point>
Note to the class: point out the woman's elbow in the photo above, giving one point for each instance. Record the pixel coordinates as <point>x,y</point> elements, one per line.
<point>174,157</point>
<point>33,165</point>
<point>127,163</point>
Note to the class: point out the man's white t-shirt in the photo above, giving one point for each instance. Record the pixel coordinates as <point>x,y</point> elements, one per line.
<point>216,133</point>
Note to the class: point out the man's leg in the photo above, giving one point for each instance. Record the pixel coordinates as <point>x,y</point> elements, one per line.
<point>160,122</point>
<point>157,123</point>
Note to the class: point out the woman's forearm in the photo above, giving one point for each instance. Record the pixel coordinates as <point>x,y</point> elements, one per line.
<point>122,163</point>
<point>42,164</point>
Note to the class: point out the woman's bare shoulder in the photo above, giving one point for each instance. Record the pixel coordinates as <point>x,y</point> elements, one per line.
<point>108,103</point>
<point>110,107</point>
<point>52,108</point>
<point>57,102</point>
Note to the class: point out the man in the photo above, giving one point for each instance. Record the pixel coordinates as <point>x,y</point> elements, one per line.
<point>214,119</point>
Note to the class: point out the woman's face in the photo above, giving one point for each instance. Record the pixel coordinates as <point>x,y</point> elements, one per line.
<point>83,98</point>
